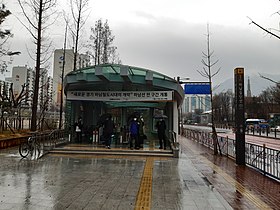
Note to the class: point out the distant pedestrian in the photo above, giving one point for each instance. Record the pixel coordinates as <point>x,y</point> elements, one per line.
<point>133,133</point>
<point>108,131</point>
<point>161,127</point>
<point>78,126</point>
<point>141,132</point>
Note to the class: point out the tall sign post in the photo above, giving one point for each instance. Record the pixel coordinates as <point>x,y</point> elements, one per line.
<point>239,116</point>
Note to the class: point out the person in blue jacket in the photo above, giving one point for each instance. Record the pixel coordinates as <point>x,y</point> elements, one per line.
<point>133,132</point>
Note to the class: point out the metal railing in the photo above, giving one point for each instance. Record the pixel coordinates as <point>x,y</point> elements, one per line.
<point>265,159</point>
<point>265,132</point>
<point>174,144</point>
<point>49,140</point>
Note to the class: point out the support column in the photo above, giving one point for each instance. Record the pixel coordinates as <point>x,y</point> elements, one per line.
<point>175,119</point>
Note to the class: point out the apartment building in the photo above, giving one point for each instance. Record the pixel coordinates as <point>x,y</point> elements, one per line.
<point>195,102</point>
<point>82,61</point>
<point>24,77</point>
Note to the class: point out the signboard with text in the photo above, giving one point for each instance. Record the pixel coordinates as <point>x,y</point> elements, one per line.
<point>239,115</point>
<point>120,95</point>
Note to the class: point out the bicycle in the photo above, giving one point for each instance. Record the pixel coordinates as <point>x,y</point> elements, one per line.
<point>30,146</point>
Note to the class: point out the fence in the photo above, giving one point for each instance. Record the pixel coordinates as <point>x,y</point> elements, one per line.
<point>265,159</point>
<point>8,123</point>
<point>49,140</point>
<point>263,132</point>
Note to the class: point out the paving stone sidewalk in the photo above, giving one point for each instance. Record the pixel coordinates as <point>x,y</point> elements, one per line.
<point>100,182</point>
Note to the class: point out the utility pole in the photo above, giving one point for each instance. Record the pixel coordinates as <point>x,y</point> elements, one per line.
<point>62,79</point>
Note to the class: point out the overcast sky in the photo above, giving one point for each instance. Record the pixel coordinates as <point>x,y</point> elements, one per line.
<point>169,36</point>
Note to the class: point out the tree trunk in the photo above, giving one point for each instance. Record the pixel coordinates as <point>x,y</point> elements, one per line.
<point>37,70</point>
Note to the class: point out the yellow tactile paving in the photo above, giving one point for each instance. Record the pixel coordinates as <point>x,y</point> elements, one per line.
<point>239,187</point>
<point>144,196</point>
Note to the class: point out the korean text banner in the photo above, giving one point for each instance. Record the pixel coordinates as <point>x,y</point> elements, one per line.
<point>120,95</point>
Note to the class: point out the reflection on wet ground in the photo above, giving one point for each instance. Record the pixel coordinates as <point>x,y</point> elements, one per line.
<point>192,181</point>
<point>242,186</point>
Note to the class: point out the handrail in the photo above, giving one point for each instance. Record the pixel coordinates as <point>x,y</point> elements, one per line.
<point>172,137</point>
<point>174,143</point>
<point>51,139</point>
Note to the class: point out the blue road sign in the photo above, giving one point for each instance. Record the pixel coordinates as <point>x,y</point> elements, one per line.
<point>197,88</point>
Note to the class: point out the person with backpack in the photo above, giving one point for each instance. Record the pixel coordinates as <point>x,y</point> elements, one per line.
<point>133,132</point>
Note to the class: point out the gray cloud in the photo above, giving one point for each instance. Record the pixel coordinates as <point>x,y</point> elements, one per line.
<point>175,48</point>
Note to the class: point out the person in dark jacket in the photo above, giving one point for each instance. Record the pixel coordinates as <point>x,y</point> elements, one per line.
<point>141,132</point>
<point>161,127</point>
<point>108,131</point>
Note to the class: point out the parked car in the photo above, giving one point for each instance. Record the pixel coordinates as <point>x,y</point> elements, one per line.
<point>277,128</point>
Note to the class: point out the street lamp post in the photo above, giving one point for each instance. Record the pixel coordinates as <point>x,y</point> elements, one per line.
<point>181,81</point>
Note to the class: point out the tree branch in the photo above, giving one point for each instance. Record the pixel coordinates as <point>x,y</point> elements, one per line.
<point>267,31</point>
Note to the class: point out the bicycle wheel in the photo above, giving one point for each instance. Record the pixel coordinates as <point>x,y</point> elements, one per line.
<point>24,149</point>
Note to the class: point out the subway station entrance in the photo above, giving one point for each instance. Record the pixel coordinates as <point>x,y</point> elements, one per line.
<point>124,92</point>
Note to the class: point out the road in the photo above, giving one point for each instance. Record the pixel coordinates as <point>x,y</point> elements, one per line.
<point>270,142</point>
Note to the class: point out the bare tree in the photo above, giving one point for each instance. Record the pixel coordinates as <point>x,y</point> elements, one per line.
<point>45,98</point>
<point>222,104</point>
<point>101,46</point>
<point>269,31</point>
<point>11,103</point>
<point>274,90</point>
<point>208,73</point>
<point>79,10</point>
<point>37,22</point>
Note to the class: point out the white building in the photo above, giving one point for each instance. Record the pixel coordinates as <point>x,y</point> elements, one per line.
<point>194,102</point>
<point>57,71</point>
<point>82,61</point>
<point>19,78</point>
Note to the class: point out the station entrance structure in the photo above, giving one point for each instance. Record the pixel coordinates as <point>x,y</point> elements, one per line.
<point>122,91</point>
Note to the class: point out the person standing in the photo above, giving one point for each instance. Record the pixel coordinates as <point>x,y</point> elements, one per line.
<point>78,129</point>
<point>108,131</point>
<point>141,132</point>
<point>161,127</point>
<point>134,132</point>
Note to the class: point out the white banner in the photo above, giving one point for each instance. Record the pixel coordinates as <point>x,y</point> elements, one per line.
<point>120,95</point>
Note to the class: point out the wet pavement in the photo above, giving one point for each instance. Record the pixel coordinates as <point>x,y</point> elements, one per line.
<point>196,180</point>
